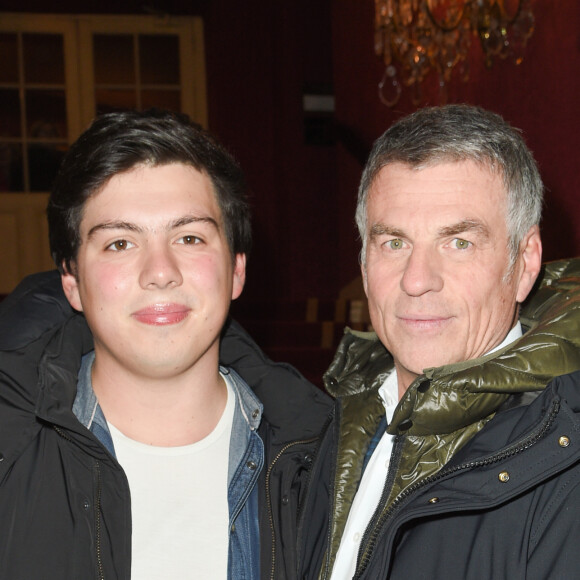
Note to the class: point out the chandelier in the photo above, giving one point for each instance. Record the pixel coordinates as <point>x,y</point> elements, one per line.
<point>415,37</point>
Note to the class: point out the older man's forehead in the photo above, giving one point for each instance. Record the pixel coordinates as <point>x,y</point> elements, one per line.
<point>404,171</point>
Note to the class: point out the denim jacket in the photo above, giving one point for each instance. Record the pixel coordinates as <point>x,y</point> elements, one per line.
<point>245,464</point>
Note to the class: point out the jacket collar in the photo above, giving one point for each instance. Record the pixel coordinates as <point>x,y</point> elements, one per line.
<point>447,398</point>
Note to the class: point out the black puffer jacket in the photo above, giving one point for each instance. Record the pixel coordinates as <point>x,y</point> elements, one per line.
<point>64,501</point>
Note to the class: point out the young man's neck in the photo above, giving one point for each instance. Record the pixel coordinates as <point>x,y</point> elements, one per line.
<point>165,412</point>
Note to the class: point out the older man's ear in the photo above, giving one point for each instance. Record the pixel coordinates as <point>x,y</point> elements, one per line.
<point>530,262</point>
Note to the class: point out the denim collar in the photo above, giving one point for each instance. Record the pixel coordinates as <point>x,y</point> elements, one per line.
<point>86,406</point>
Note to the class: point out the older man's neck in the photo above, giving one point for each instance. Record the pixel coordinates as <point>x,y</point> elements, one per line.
<point>405,377</point>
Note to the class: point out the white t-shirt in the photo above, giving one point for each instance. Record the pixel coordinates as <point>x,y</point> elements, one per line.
<point>179,503</point>
<point>373,480</point>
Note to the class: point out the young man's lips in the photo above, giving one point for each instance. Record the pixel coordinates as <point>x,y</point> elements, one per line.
<point>162,314</point>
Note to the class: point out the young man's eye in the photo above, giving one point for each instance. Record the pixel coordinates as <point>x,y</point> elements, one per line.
<point>460,244</point>
<point>189,240</point>
<point>119,245</point>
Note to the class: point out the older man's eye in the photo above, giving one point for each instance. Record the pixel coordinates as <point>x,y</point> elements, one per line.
<point>460,244</point>
<point>395,244</point>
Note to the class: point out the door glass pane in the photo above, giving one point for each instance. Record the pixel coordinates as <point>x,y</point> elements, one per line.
<point>115,100</point>
<point>10,125</point>
<point>114,59</point>
<point>162,99</point>
<point>11,174</point>
<point>46,114</point>
<point>47,130</point>
<point>159,59</point>
<point>8,58</point>
<point>43,163</point>
<point>43,58</point>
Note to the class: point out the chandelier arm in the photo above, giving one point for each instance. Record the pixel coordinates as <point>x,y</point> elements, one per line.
<point>442,26</point>
<point>516,15</point>
<point>390,72</point>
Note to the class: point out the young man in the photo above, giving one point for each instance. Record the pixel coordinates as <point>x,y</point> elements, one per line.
<point>127,451</point>
<point>450,460</point>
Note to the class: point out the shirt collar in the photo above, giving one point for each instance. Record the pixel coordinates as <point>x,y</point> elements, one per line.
<point>85,405</point>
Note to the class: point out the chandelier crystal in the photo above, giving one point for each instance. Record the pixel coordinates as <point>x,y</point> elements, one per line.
<point>415,37</point>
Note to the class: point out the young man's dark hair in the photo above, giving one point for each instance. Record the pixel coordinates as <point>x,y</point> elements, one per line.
<point>117,142</point>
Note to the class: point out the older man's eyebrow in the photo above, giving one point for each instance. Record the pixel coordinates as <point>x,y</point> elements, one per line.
<point>381,229</point>
<point>465,226</point>
<point>131,227</point>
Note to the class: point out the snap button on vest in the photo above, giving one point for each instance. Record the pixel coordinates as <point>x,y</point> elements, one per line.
<point>332,382</point>
<point>504,476</point>
<point>564,441</point>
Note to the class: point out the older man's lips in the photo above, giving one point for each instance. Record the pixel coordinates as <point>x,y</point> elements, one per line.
<point>162,314</point>
<point>422,322</point>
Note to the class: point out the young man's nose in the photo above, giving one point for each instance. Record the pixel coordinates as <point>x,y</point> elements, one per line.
<point>160,269</point>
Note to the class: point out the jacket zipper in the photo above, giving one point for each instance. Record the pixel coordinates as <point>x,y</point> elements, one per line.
<point>335,437</point>
<point>98,523</point>
<point>97,510</point>
<point>534,437</point>
<point>299,542</point>
<point>269,498</point>
<point>390,480</point>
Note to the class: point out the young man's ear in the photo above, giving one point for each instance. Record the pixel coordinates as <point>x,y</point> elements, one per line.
<point>70,286</point>
<point>239,275</point>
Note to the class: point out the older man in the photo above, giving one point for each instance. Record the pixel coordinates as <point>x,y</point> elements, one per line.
<point>452,457</point>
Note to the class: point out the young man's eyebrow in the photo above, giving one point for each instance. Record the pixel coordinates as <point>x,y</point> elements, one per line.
<point>465,226</point>
<point>114,225</point>
<point>131,227</point>
<point>190,219</point>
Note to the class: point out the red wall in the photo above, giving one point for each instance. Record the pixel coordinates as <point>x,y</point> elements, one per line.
<point>540,97</point>
<point>262,56</point>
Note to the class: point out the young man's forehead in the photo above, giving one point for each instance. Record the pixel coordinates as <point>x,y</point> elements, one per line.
<point>124,181</point>
<point>137,167</point>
